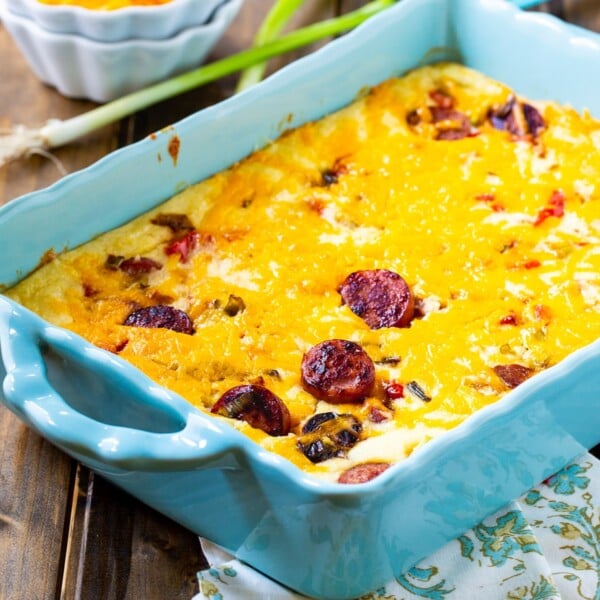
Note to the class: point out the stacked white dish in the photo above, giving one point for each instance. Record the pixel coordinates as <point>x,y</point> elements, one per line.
<point>104,54</point>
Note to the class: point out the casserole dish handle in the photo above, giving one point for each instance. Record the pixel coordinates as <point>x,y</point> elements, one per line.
<point>96,406</point>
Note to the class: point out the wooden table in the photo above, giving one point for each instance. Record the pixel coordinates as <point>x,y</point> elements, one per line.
<point>65,532</point>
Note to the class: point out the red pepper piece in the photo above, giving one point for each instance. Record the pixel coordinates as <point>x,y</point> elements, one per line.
<point>555,208</point>
<point>442,99</point>
<point>121,346</point>
<point>532,264</point>
<point>510,319</point>
<point>316,204</point>
<point>184,245</point>
<point>486,197</point>
<point>394,390</point>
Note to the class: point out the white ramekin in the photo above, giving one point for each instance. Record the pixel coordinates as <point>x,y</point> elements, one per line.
<point>136,22</point>
<point>82,68</point>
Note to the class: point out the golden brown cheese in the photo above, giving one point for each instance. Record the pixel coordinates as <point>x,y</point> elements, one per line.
<point>488,207</point>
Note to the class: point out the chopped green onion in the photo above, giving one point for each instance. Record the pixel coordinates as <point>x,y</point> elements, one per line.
<point>21,141</point>
<point>234,305</point>
<point>389,360</point>
<point>415,389</point>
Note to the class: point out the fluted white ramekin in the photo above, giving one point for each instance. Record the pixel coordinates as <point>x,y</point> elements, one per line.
<point>135,22</point>
<point>82,68</point>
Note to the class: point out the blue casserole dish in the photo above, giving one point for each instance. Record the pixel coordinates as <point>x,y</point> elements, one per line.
<point>323,539</point>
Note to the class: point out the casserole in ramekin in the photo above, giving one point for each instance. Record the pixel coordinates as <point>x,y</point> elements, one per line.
<point>133,22</point>
<point>320,538</point>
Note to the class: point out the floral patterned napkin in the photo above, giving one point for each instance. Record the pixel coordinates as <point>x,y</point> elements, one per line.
<point>545,546</point>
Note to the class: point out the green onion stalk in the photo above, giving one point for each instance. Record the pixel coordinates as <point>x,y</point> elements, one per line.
<point>277,18</point>
<point>20,141</point>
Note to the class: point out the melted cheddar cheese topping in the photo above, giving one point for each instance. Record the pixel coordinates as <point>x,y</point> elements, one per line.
<point>489,210</point>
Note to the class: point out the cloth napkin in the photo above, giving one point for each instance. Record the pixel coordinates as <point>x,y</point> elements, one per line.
<point>544,546</point>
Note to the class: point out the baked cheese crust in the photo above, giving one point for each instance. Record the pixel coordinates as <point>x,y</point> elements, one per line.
<point>486,205</point>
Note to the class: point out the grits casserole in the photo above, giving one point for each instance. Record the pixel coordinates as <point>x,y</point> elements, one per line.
<point>365,282</point>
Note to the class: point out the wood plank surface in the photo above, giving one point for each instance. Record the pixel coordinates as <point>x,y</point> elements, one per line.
<point>65,532</point>
<point>585,13</point>
<point>35,483</point>
<point>119,549</point>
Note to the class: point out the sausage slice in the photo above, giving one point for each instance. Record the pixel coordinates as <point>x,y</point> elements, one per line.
<point>256,405</point>
<point>161,316</point>
<point>513,375</point>
<point>338,371</point>
<point>535,121</point>
<point>380,297</point>
<point>363,472</point>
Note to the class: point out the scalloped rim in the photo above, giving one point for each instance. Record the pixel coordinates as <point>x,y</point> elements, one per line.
<point>149,22</point>
<point>511,406</point>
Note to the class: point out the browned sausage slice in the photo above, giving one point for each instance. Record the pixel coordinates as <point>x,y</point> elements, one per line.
<point>256,405</point>
<point>380,297</point>
<point>535,121</point>
<point>504,117</point>
<point>139,265</point>
<point>161,316</point>
<point>514,374</point>
<point>451,124</point>
<point>363,472</point>
<point>338,371</point>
